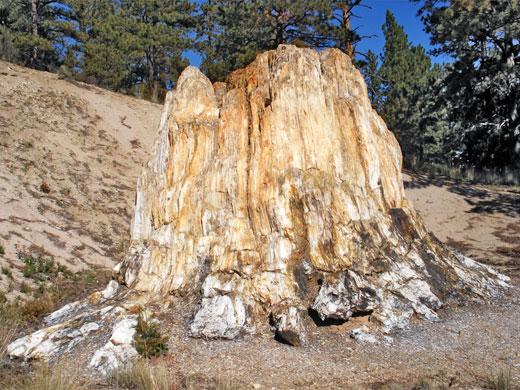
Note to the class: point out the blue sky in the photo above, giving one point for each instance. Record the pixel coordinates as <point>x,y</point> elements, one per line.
<point>405,12</point>
<point>370,21</point>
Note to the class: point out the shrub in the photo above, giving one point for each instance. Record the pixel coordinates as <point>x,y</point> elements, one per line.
<point>38,307</point>
<point>40,268</point>
<point>24,288</point>
<point>2,250</point>
<point>7,272</point>
<point>148,339</point>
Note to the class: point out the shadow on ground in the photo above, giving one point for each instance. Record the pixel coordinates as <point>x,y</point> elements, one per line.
<point>482,199</point>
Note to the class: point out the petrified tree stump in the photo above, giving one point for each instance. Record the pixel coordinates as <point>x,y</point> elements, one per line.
<point>269,196</point>
<point>281,191</point>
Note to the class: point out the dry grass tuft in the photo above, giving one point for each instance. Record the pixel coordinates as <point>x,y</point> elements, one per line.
<point>49,378</point>
<point>142,376</point>
<point>154,375</point>
<point>507,177</point>
<point>8,331</point>
<point>500,379</point>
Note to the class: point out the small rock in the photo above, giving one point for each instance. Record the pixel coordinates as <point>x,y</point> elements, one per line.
<point>124,331</point>
<point>362,335</point>
<point>110,357</point>
<point>257,386</point>
<point>289,325</point>
<point>44,187</point>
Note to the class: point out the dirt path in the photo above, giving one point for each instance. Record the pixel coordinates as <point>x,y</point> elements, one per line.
<point>460,351</point>
<point>480,221</point>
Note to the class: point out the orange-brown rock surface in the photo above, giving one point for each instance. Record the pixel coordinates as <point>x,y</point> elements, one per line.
<point>279,192</point>
<point>270,199</point>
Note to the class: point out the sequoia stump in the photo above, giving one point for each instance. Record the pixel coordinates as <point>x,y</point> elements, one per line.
<point>281,191</point>
<point>268,199</point>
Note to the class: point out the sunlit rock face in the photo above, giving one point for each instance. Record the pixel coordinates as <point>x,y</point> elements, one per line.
<point>280,192</point>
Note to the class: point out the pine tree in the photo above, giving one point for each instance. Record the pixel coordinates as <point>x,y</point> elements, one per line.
<point>233,32</point>
<point>483,37</point>
<point>369,66</point>
<point>29,33</point>
<point>106,59</point>
<point>345,37</point>
<point>157,32</point>
<point>130,46</point>
<point>404,90</point>
<point>8,51</point>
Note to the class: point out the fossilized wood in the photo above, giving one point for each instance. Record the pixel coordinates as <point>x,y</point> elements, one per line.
<point>281,191</point>
<point>273,195</point>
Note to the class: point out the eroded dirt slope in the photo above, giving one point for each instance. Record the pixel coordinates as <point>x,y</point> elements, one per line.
<point>70,155</point>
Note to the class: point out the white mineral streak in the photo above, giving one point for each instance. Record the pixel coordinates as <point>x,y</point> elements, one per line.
<point>111,290</point>
<point>72,324</point>
<point>282,177</point>
<point>220,317</point>
<point>46,342</point>
<point>119,351</point>
<point>111,357</point>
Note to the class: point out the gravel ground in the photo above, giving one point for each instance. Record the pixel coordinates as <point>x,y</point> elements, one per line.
<point>465,347</point>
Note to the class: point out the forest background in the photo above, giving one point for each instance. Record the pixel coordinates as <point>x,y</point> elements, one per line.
<point>461,116</point>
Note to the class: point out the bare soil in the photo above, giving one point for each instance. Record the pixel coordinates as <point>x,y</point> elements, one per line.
<point>70,155</point>
<point>482,222</point>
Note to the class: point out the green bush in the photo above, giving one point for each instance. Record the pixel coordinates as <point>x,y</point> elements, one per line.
<point>40,268</point>
<point>148,339</point>
<point>7,272</point>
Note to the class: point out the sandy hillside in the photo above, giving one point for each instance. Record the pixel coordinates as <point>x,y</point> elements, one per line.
<point>482,222</point>
<point>70,155</point>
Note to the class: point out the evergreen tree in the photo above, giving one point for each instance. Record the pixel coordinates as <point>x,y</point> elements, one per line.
<point>369,66</point>
<point>106,58</point>
<point>8,51</point>
<point>129,46</point>
<point>404,90</point>
<point>233,32</point>
<point>157,33</point>
<point>345,38</point>
<point>30,26</point>
<point>482,85</point>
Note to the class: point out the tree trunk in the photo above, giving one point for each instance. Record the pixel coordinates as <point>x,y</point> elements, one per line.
<point>152,82</point>
<point>275,195</point>
<point>34,30</point>
<point>349,46</point>
<point>269,201</point>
